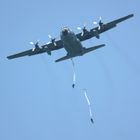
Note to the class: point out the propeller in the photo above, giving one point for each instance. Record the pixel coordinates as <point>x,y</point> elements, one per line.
<point>36,45</point>
<point>52,40</point>
<point>38,48</point>
<point>31,43</point>
<point>84,30</point>
<point>100,23</point>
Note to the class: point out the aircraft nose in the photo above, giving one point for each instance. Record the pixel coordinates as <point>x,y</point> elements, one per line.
<point>64,32</point>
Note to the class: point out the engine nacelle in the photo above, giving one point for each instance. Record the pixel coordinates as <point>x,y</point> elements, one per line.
<point>96,34</point>
<point>48,52</point>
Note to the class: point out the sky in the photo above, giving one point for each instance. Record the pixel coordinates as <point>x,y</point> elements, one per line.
<point>36,97</point>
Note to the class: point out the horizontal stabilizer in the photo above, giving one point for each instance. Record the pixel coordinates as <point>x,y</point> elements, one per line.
<point>63,58</point>
<point>87,50</point>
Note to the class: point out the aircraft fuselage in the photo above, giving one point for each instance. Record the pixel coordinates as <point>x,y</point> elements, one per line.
<point>71,43</point>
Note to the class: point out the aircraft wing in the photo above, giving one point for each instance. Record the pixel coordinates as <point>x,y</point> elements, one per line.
<point>21,54</point>
<point>95,32</point>
<point>46,48</point>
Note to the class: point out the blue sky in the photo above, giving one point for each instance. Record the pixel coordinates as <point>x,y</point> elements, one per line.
<point>36,98</point>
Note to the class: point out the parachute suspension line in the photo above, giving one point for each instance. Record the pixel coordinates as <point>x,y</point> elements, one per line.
<point>74,75</point>
<point>89,105</point>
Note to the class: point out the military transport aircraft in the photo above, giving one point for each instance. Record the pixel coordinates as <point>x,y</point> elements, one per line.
<point>71,42</point>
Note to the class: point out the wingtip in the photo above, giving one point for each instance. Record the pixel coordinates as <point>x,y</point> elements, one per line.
<point>131,15</point>
<point>8,57</point>
<point>56,61</point>
<point>103,45</point>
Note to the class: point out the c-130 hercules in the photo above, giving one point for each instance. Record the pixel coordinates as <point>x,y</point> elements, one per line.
<point>71,42</point>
